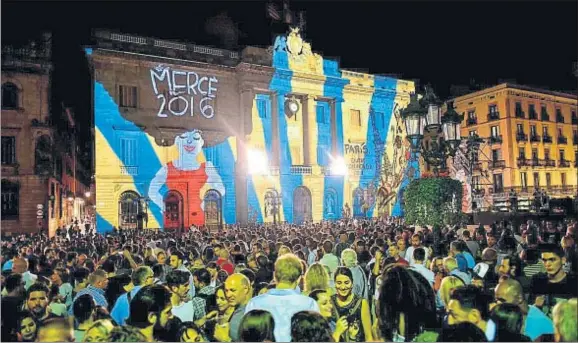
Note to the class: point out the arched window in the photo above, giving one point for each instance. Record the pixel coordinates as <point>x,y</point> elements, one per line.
<point>10,199</point>
<point>128,209</point>
<point>9,96</point>
<point>331,203</point>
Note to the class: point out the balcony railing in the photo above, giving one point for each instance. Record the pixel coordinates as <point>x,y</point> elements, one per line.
<point>498,164</point>
<point>520,114</point>
<point>562,140</point>
<point>536,162</point>
<point>564,164</point>
<point>533,116</point>
<point>560,119</point>
<point>544,117</point>
<point>523,162</point>
<point>301,170</point>
<point>129,170</point>
<point>521,137</point>
<point>535,138</point>
<point>547,139</point>
<point>493,116</point>
<point>549,163</point>
<point>472,121</point>
<point>496,139</point>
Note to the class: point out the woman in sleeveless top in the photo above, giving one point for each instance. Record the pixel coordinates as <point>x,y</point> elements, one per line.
<point>351,309</point>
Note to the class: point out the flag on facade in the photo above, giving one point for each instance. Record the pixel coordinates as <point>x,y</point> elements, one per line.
<point>273,12</point>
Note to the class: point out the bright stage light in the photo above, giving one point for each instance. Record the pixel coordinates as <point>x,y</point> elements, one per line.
<point>339,167</point>
<point>257,162</point>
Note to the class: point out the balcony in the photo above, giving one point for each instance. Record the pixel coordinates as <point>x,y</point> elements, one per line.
<point>535,138</point>
<point>498,164</point>
<point>560,119</point>
<point>129,170</point>
<point>521,137</point>
<point>562,140</point>
<point>496,139</point>
<point>547,139</point>
<point>472,121</point>
<point>301,170</point>
<point>493,116</point>
<point>533,115</point>
<point>563,190</point>
<point>549,163</point>
<point>544,117</point>
<point>564,164</point>
<point>535,162</point>
<point>520,114</point>
<point>523,162</point>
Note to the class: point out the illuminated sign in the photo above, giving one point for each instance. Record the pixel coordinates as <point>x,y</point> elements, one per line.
<point>188,93</point>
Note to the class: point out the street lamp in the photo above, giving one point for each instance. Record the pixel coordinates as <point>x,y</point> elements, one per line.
<point>87,194</point>
<point>432,103</point>
<point>451,127</point>
<point>413,117</point>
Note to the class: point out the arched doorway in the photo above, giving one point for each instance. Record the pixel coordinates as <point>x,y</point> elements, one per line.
<point>128,210</point>
<point>330,208</point>
<point>302,205</point>
<point>173,210</point>
<point>272,205</point>
<point>213,210</point>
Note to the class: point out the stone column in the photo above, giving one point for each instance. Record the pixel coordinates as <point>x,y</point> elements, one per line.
<point>306,129</point>
<point>241,172</point>
<point>276,150</point>
<point>333,125</point>
<point>311,147</point>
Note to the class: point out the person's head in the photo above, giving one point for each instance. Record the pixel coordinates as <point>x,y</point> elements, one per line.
<point>511,266</point>
<point>437,265</point>
<point>257,326</point>
<point>201,278</point>
<point>316,277</point>
<point>343,281</point>
<point>99,331</point>
<point>126,333</point>
<point>327,247</point>
<point>462,332</point>
<point>27,327</point>
<point>150,307</point>
<point>178,283</point>
<point>324,302</point>
<point>490,256</point>
<point>14,284</point>
<point>419,255</point>
<point>450,263</point>
<point>161,257</point>
<point>83,308</point>
<point>349,258</point>
<point>176,259</point>
<point>416,240</point>
<point>283,250</point>
<point>405,298</point>
<point>468,304</point>
<point>237,287</point>
<point>56,330</point>
<point>98,279</point>
<point>19,265</point>
<point>491,239</point>
<point>309,326</point>
<point>553,258</point>
<point>449,283</point>
<point>190,144</point>
<point>565,319</point>
<point>191,332</point>
<point>143,276</point>
<point>221,299</point>
<point>401,244</point>
<point>37,299</point>
<point>288,270</point>
<point>508,318</point>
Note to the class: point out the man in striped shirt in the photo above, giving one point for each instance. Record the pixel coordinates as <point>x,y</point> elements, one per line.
<point>97,283</point>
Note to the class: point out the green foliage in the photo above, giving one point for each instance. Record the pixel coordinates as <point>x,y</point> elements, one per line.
<point>433,201</point>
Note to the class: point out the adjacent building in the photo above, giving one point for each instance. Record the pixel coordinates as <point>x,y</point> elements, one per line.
<point>40,185</point>
<point>193,135</point>
<point>532,143</point>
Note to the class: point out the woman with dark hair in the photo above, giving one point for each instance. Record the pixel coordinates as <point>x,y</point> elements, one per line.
<point>27,327</point>
<point>509,320</point>
<point>351,308</point>
<point>190,332</point>
<point>84,312</point>
<point>257,326</point>
<point>309,326</point>
<point>264,272</point>
<point>462,332</point>
<point>406,305</point>
<point>220,317</point>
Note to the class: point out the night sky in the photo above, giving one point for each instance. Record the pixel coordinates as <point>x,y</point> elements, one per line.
<point>442,43</point>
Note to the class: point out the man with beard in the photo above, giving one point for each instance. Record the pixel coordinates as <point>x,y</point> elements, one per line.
<point>150,311</point>
<point>416,242</point>
<point>37,302</point>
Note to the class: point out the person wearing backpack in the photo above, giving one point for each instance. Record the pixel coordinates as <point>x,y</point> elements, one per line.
<point>204,301</point>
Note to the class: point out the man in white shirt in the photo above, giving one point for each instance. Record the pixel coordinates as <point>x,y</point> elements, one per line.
<point>178,284</point>
<point>418,258</point>
<point>415,243</point>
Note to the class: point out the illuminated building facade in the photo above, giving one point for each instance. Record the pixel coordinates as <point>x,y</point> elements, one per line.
<point>190,135</point>
<point>533,143</point>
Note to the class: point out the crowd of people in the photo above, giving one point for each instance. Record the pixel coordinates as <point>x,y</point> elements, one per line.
<point>353,280</point>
